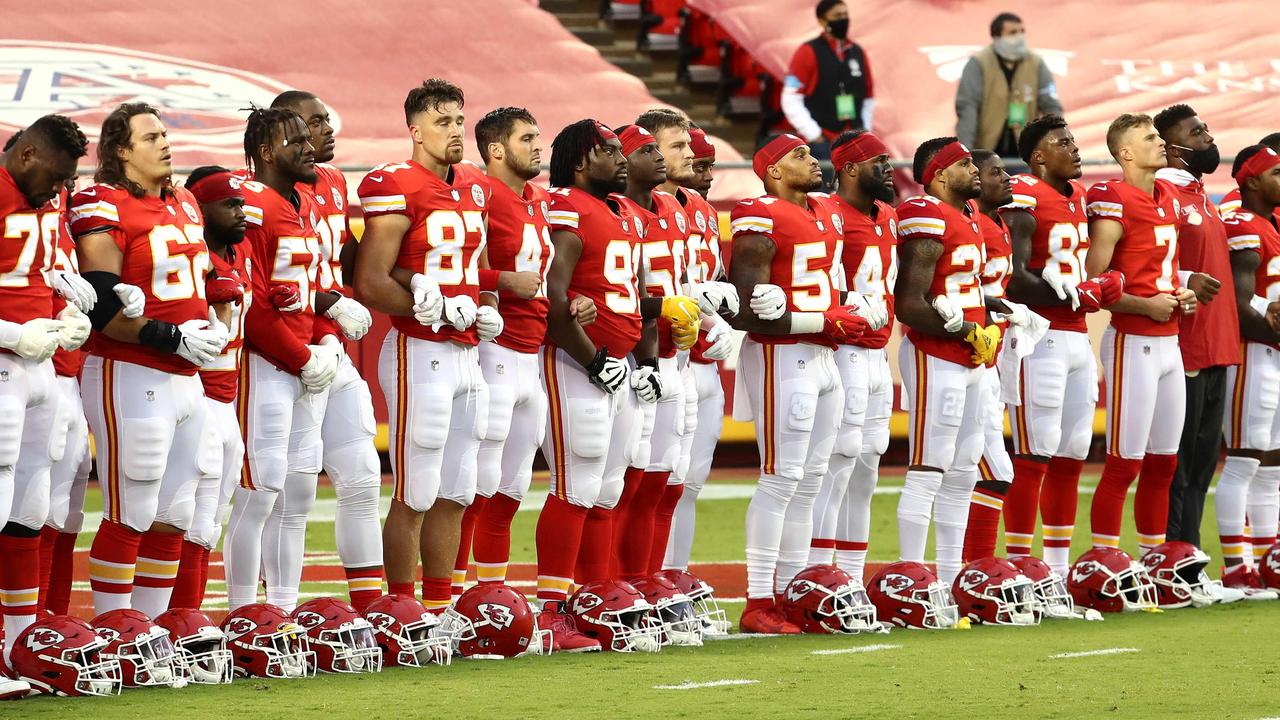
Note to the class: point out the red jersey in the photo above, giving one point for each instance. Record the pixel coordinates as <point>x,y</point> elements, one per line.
<point>447,231</point>
<point>329,193</point>
<point>1230,202</point>
<point>664,234</point>
<point>162,241</point>
<point>806,242</point>
<point>26,253</point>
<point>520,241</point>
<point>958,272</point>
<point>1147,252</point>
<point>1061,237</point>
<point>702,253</point>
<point>869,258</point>
<point>220,377</point>
<point>997,258</point>
<point>284,241</point>
<point>66,363</point>
<point>606,270</point>
<point>1247,231</point>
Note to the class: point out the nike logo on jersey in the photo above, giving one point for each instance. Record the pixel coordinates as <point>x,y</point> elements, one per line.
<point>375,178</point>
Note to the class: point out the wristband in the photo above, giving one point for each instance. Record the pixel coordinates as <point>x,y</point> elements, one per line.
<point>649,363</point>
<point>160,335</point>
<point>1259,304</point>
<point>806,323</point>
<point>489,278</point>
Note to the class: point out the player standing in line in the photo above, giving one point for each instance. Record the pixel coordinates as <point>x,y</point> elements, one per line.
<point>144,403</point>
<point>938,297</point>
<point>420,262</point>
<point>1133,228</point>
<point>348,456</point>
<point>1052,421</point>
<point>1231,201</point>
<point>227,288</point>
<point>283,378</point>
<point>842,512</point>
<point>787,239</point>
<point>33,176</point>
<point>1251,476</point>
<point>704,394</point>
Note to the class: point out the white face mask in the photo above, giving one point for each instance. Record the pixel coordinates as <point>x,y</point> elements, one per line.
<point>1013,47</point>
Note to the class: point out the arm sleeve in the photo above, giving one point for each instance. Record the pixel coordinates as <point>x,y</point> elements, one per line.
<point>968,100</point>
<point>1048,102</point>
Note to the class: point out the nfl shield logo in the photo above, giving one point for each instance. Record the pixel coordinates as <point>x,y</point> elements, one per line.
<point>454,195</point>
<point>337,198</point>
<point>435,364</point>
<point>1146,349</point>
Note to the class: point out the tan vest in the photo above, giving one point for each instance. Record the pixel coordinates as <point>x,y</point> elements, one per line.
<point>993,116</point>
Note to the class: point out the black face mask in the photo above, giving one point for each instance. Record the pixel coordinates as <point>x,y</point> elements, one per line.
<point>1201,162</point>
<point>839,28</point>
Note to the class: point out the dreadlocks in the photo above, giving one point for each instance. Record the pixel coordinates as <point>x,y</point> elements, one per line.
<point>569,148</point>
<point>261,128</point>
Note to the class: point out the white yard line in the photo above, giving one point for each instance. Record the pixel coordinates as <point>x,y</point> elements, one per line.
<point>1094,653</point>
<point>860,649</point>
<point>699,686</point>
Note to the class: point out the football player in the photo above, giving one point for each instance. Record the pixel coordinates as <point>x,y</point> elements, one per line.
<point>1133,228</point>
<point>420,262</point>
<point>1231,201</point>
<point>32,194</point>
<point>869,263</point>
<point>1052,420</point>
<point>787,240</point>
<point>284,375</point>
<point>1251,476</point>
<point>938,297</point>
<point>349,456</point>
<point>227,288</point>
<point>144,403</point>
<point>704,393</point>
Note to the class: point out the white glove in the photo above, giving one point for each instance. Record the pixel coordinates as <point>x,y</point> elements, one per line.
<point>731,302</point>
<point>34,340</point>
<point>489,323</point>
<point>132,298</point>
<point>1064,287</point>
<point>321,368</point>
<point>202,340</point>
<point>75,328</point>
<point>647,383</point>
<point>75,290</point>
<point>720,335</point>
<point>428,302</point>
<point>351,316</point>
<point>460,312</point>
<point>768,302</point>
<point>709,296</point>
<point>875,312</point>
<point>953,318</point>
<point>610,375</point>
<point>1017,315</point>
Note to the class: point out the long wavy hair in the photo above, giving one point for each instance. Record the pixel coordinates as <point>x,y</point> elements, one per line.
<point>117,135</point>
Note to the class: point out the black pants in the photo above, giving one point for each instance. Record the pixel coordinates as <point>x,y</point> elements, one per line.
<point>1197,453</point>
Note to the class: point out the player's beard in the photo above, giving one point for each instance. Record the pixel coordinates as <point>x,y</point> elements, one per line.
<point>874,186</point>
<point>601,187</point>
<point>527,171</point>
<point>224,236</point>
<point>811,184</point>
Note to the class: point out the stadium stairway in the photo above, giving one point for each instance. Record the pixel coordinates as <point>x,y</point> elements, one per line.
<point>614,29</point>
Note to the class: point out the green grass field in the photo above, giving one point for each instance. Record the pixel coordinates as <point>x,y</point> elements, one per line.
<point>1221,662</point>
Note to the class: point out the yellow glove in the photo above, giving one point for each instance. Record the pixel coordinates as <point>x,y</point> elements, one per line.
<point>984,341</point>
<point>685,317</point>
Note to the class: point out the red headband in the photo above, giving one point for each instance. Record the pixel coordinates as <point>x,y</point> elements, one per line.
<point>949,155</point>
<point>633,138</point>
<point>701,146</point>
<point>216,187</point>
<point>860,149</point>
<point>772,152</point>
<point>605,133</point>
<point>1260,162</point>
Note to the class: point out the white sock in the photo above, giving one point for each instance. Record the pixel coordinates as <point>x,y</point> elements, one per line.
<point>357,529</point>
<point>797,531</point>
<point>1059,559</point>
<point>1264,503</point>
<point>951,517</point>
<point>915,507</point>
<point>150,601</point>
<point>826,507</point>
<point>15,624</point>
<point>284,539</point>
<point>1230,499</point>
<point>855,514</point>
<point>242,548</point>
<point>683,523</point>
<point>765,517</point>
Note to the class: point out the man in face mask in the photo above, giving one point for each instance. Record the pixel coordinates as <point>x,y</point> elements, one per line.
<point>828,88</point>
<point>1207,338</point>
<point>1002,88</point>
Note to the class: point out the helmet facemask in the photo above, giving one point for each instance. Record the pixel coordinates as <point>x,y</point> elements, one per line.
<point>153,658</point>
<point>1015,601</point>
<point>940,610</point>
<point>204,658</point>
<point>354,647</point>
<point>420,645</point>
<point>1186,581</point>
<point>634,629</point>
<point>288,652</point>
<point>1132,586</point>
<point>847,609</point>
<point>1052,598</point>
<point>715,622</point>
<point>679,623</point>
<point>96,674</point>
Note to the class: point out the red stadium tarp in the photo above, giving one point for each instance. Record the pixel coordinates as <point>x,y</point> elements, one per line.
<point>1109,57</point>
<point>202,68</point>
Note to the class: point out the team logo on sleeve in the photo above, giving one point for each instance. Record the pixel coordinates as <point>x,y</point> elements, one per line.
<point>837,222</point>
<point>681,224</point>
<point>546,211</point>
<point>337,198</point>
<point>477,195</point>
<point>700,220</point>
<point>192,215</point>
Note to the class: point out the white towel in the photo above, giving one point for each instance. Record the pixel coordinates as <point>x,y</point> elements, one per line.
<point>1019,341</point>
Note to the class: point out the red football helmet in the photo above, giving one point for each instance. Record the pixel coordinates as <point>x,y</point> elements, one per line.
<point>1052,597</point>
<point>908,594</point>
<point>201,647</point>
<point>714,620</point>
<point>825,599</point>
<point>1109,580</point>
<point>1269,567</point>
<point>341,639</point>
<point>1177,569</point>
<point>265,642</point>
<point>403,629</point>
<point>62,655</point>
<point>143,648</point>
<point>673,609</point>
<point>994,591</point>
<point>493,621</point>
<point>616,614</point>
